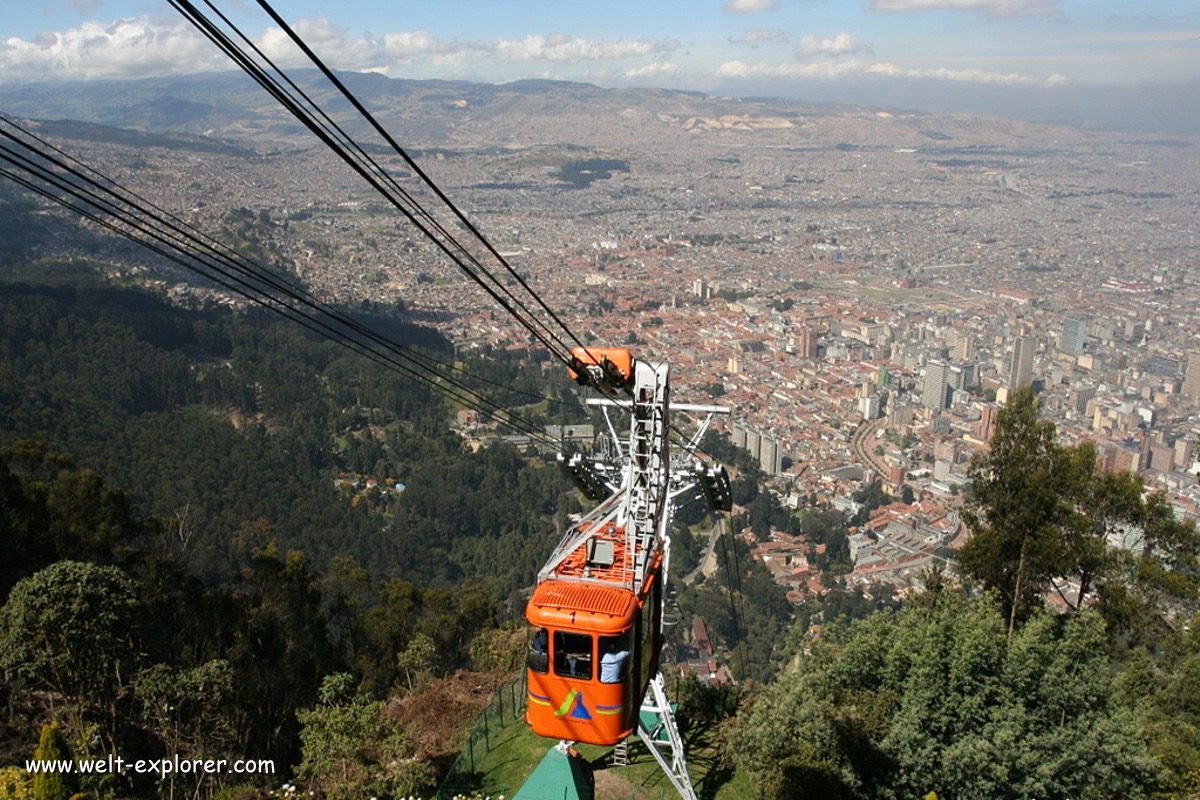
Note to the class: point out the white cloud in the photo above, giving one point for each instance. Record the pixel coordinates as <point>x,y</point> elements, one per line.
<point>334,44</point>
<point>652,70</point>
<point>749,6</point>
<point>409,45</point>
<point>146,46</point>
<point>124,49</point>
<point>759,36</point>
<point>855,67</point>
<point>994,8</point>
<point>562,48</point>
<point>842,44</point>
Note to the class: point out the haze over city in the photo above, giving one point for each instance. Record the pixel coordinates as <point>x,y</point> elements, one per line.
<point>1107,63</point>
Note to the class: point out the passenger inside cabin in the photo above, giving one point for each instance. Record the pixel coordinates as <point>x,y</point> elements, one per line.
<point>573,655</point>
<point>612,662</point>
<point>538,659</point>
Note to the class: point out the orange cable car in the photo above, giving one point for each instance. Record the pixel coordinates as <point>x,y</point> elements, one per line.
<point>596,643</point>
<point>597,608</point>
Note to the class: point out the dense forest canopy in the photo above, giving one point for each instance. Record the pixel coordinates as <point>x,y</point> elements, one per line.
<point>224,535</point>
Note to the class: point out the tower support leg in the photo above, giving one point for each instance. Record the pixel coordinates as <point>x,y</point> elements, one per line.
<point>663,740</point>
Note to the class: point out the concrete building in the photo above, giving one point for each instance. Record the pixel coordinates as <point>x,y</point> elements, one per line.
<point>1191,377</point>
<point>770,457</point>
<point>933,394</point>
<point>869,406</point>
<point>1021,372</point>
<point>1074,334</point>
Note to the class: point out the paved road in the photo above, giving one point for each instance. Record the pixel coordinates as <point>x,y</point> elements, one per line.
<point>864,444</point>
<point>708,564</point>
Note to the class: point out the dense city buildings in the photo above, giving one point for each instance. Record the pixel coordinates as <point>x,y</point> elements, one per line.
<point>863,288</point>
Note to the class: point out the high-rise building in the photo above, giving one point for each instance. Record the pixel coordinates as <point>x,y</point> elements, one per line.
<point>964,348</point>
<point>807,343</point>
<point>770,457</point>
<point>753,441</point>
<point>1162,458</point>
<point>1183,453</point>
<point>1021,372</point>
<point>963,376</point>
<point>1191,377</point>
<point>987,424</point>
<point>869,406</point>
<point>1080,396</point>
<point>933,395</point>
<point>1074,334</point>
<point>739,436</point>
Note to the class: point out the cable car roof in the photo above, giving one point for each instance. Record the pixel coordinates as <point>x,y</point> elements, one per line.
<point>590,598</point>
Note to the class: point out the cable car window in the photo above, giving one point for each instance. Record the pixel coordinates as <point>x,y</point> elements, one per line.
<point>573,655</point>
<point>538,659</point>
<point>614,658</point>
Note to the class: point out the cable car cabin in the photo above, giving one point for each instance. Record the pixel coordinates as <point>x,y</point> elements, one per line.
<point>601,365</point>
<point>594,646</point>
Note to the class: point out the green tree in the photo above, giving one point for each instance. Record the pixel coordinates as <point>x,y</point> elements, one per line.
<point>72,629</point>
<point>351,750</point>
<point>191,712</point>
<point>1044,516</point>
<point>932,699</point>
<point>53,784</point>
<point>1021,500</point>
<point>418,657</point>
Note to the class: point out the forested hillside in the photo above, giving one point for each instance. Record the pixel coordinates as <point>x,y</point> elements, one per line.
<point>196,564</point>
<point>202,524</point>
<point>214,419</point>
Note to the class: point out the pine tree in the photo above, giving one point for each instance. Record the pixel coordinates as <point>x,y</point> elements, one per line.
<point>53,784</point>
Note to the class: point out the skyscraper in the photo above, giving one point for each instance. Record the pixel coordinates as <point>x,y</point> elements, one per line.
<point>807,343</point>
<point>1074,334</point>
<point>933,395</point>
<point>964,348</point>
<point>1191,377</point>
<point>1021,373</point>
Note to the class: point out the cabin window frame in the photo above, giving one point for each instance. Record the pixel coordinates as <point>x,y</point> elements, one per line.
<point>579,668</point>
<point>538,660</point>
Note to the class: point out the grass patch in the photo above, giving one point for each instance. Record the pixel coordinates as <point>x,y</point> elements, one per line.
<point>516,751</point>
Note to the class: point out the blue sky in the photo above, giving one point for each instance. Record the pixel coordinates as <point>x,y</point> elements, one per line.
<point>867,50</point>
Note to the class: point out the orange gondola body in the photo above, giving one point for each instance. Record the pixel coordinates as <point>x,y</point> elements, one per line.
<point>595,644</point>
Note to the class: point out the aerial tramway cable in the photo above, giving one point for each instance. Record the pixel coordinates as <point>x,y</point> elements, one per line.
<point>375,175</point>
<point>253,278</point>
<point>329,132</point>
<point>275,280</point>
<point>408,160</point>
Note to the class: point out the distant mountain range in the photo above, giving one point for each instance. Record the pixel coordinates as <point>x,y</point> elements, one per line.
<point>228,111</point>
<point>421,113</point>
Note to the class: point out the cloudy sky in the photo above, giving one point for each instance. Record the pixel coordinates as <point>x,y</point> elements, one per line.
<point>941,54</point>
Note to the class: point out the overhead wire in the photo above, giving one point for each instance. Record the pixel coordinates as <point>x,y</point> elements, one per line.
<point>329,74</point>
<point>333,136</point>
<point>377,176</point>
<point>733,611</point>
<point>180,229</point>
<point>276,281</point>
<point>245,279</point>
